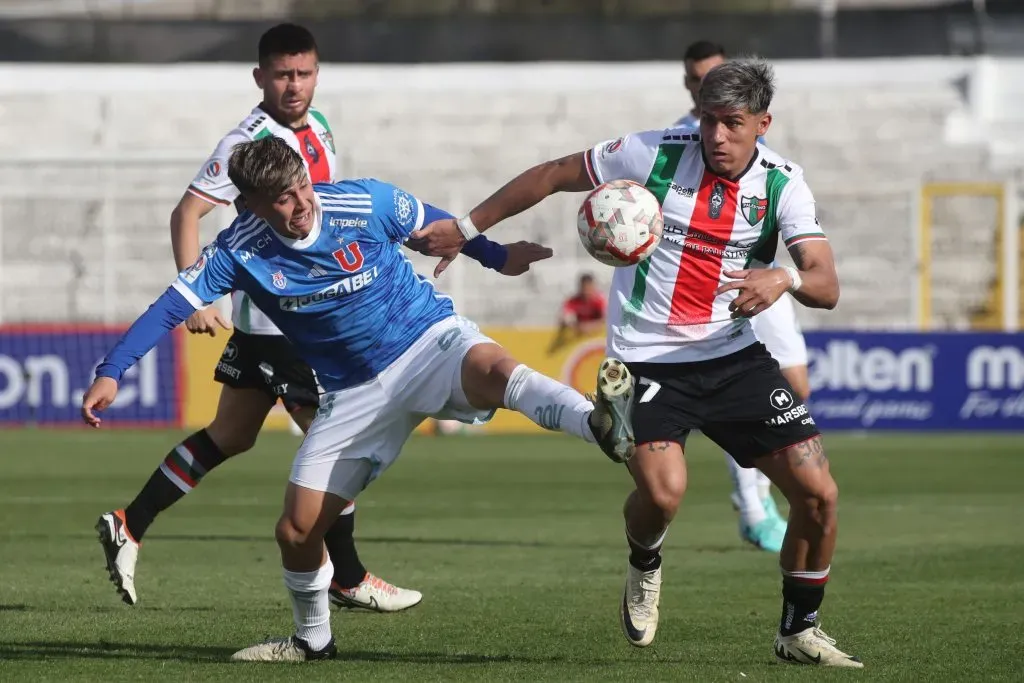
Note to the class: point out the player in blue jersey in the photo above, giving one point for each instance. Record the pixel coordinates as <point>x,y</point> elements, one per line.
<point>259,367</point>
<point>325,263</point>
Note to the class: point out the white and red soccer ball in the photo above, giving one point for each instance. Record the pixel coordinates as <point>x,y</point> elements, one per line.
<point>620,223</point>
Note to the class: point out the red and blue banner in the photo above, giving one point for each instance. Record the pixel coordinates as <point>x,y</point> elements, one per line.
<point>45,369</point>
<point>921,382</point>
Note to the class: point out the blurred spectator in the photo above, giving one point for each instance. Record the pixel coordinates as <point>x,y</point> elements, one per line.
<point>582,314</point>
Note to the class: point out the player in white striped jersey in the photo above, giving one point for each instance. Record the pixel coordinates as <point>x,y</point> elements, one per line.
<point>778,328</point>
<point>680,321</point>
<point>259,366</point>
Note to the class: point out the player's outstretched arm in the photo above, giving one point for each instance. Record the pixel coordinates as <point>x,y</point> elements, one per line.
<point>508,259</point>
<point>164,315</point>
<point>446,238</point>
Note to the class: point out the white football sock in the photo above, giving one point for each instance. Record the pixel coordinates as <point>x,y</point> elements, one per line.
<point>764,485</point>
<point>310,605</point>
<point>550,404</point>
<point>745,495</point>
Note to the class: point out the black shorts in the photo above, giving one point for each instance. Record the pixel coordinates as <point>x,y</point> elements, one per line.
<point>268,363</point>
<point>742,402</point>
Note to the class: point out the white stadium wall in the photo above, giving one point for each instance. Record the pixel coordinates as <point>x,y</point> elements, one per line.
<point>93,158</point>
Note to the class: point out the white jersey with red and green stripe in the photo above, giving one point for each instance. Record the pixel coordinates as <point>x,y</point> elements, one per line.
<point>666,310</point>
<point>314,141</point>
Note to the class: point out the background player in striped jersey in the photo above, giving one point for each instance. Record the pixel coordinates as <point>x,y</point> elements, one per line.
<point>680,321</point>
<point>779,330</point>
<point>259,365</point>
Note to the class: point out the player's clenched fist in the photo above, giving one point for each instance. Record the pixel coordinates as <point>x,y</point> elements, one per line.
<point>99,397</point>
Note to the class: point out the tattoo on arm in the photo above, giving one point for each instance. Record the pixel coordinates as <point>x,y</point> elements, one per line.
<point>799,254</point>
<point>810,452</point>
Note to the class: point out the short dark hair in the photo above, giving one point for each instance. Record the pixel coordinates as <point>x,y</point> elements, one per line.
<point>286,39</point>
<point>703,49</point>
<point>740,84</point>
<point>586,278</point>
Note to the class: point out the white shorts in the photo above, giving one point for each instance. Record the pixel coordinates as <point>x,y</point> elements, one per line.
<point>778,329</point>
<point>359,431</point>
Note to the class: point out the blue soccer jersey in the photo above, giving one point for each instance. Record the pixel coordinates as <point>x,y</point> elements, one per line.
<point>345,295</point>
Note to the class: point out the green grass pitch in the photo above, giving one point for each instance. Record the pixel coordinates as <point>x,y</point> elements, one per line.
<point>517,545</point>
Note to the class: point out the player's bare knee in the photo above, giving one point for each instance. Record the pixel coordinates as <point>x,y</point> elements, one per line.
<point>485,373</point>
<point>666,494</point>
<point>289,535</point>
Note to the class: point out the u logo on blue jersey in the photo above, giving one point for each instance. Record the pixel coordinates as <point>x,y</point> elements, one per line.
<point>349,257</point>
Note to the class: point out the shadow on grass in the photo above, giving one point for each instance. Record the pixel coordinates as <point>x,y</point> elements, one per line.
<point>457,542</point>
<point>50,650</point>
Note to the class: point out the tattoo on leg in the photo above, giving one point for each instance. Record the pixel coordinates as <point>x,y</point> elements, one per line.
<point>809,452</point>
<point>659,446</point>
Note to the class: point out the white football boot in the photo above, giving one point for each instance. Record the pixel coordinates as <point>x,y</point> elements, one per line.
<point>639,609</point>
<point>376,594</point>
<point>284,650</point>
<point>121,551</point>
<point>813,646</point>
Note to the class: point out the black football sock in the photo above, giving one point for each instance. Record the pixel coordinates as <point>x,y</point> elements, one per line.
<point>643,557</point>
<point>180,472</point>
<point>802,593</point>
<point>341,546</point>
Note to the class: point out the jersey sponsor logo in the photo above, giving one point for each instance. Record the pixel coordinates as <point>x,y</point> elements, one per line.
<point>213,169</point>
<point>348,223</point>
<point>255,248</point>
<point>683,191</point>
<point>340,288</point>
<point>754,209</point>
<point>349,257</point>
<point>716,201</point>
<point>230,352</point>
<point>405,208</point>
<point>280,281</point>
<point>796,413</point>
<point>192,273</point>
<point>781,399</point>
<point>229,370</point>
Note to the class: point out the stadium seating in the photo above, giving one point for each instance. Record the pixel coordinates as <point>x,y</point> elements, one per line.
<point>865,149</point>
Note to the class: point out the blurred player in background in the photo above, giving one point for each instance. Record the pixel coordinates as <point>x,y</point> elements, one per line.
<point>582,314</point>
<point>760,521</point>
<point>680,322</point>
<point>259,366</point>
<point>388,349</point>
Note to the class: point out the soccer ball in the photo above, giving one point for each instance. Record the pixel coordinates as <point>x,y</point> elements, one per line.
<point>620,223</point>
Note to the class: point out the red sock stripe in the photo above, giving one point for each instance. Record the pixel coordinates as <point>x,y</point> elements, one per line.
<point>173,467</point>
<point>806,580</point>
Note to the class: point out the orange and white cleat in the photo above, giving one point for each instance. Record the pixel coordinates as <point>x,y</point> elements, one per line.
<point>376,594</point>
<point>121,551</point>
